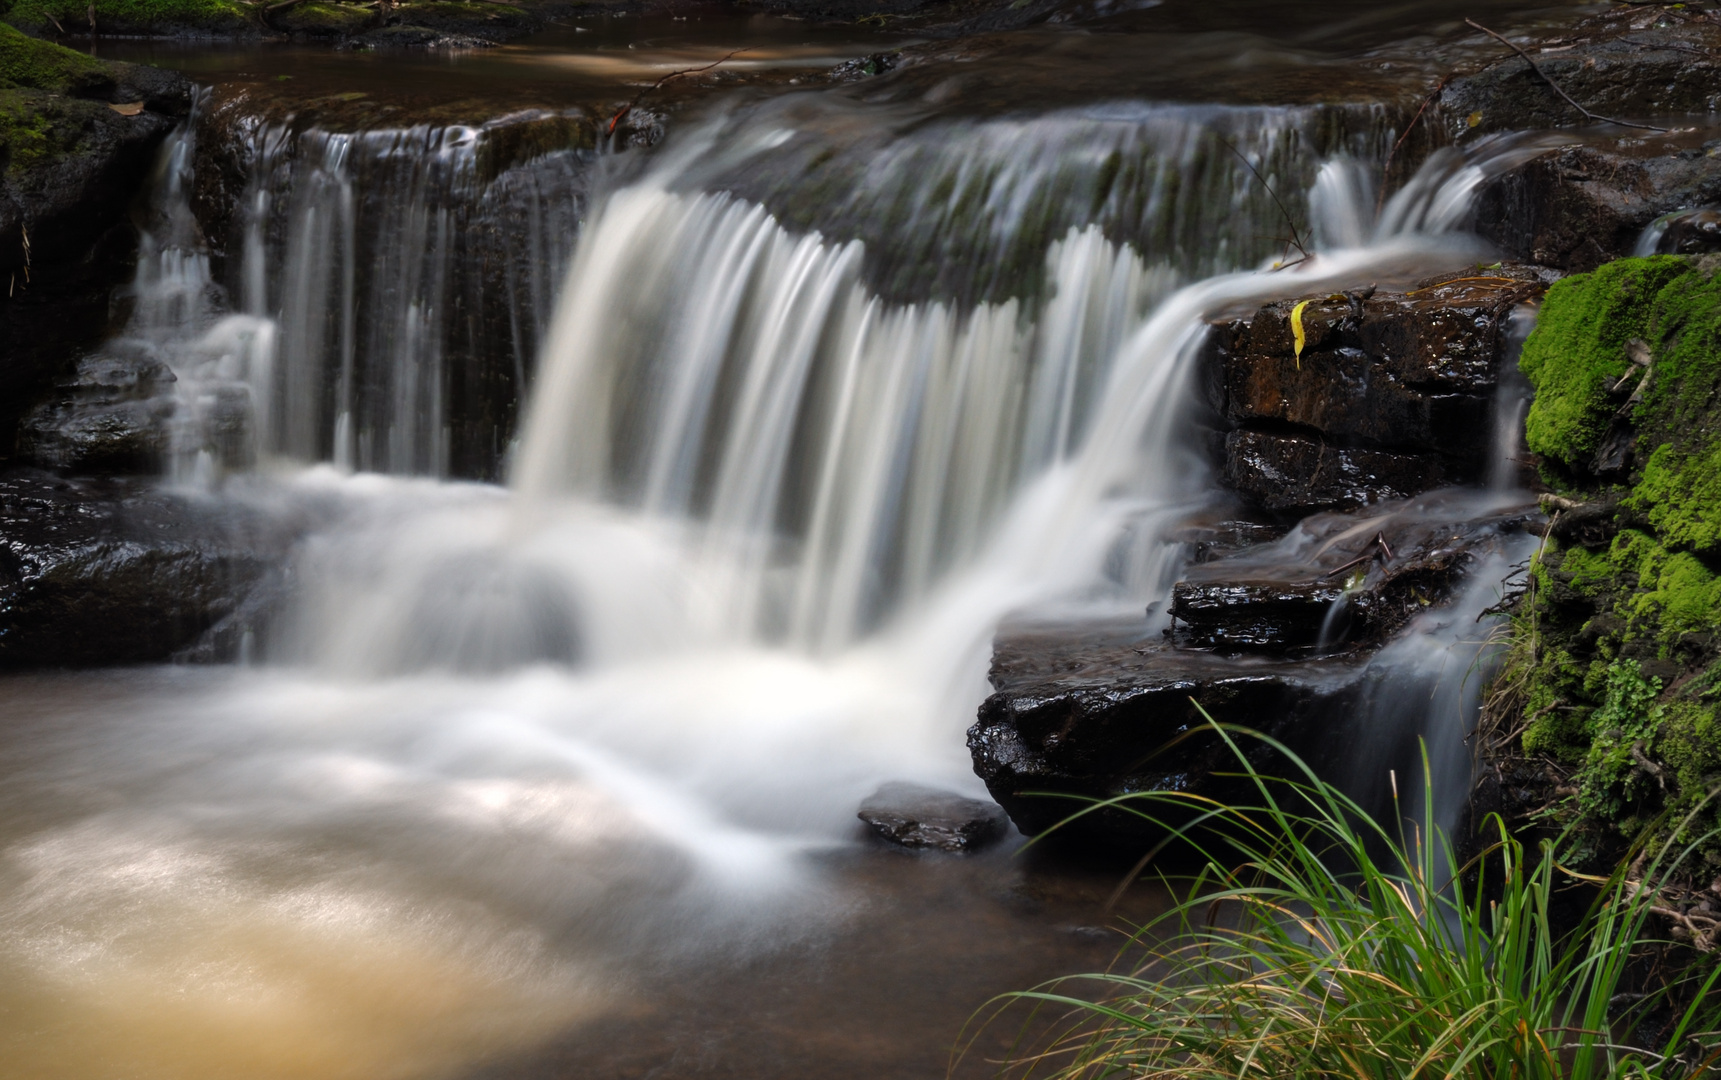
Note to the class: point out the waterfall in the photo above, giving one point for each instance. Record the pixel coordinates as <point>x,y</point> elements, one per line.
<point>409,289</point>
<point>387,292</point>
<point>513,751</point>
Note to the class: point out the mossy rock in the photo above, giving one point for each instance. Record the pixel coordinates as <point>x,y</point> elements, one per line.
<point>1616,649</point>
<point>29,64</point>
<point>333,20</point>
<point>1579,348</point>
<point>148,17</point>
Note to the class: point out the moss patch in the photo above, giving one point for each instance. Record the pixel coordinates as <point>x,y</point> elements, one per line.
<point>26,63</point>
<point>1615,659</point>
<point>1578,348</point>
<point>136,16</point>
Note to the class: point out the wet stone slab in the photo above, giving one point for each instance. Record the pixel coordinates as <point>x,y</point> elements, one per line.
<point>1339,581</point>
<point>1092,711</point>
<point>918,817</point>
<point>119,571</point>
<point>1389,395</point>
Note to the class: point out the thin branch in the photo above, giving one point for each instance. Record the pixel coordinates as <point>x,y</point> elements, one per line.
<point>1386,170</point>
<point>637,98</point>
<point>1556,86</point>
<point>1296,237</point>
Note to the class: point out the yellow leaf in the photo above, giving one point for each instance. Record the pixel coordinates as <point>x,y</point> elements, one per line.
<point>1297,331</point>
<point>1473,119</point>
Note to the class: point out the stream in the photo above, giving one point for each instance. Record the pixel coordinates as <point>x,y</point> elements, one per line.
<point>656,503</point>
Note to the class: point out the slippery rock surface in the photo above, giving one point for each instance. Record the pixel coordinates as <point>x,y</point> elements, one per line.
<point>1580,206</point>
<point>1631,63</point>
<point>914,816</point>
<point>1392,394</point>
<point>1339,580</point>
<point>1093,711</point>
<point>112,415</point>
<point>114,571</point>
<point>77,139</point>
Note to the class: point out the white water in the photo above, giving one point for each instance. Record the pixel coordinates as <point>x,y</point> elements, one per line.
<point>762,527</point>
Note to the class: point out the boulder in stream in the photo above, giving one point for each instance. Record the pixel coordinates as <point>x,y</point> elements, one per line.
<point>920,817</point>
<point>1091,711</point>
<point>119,571</point>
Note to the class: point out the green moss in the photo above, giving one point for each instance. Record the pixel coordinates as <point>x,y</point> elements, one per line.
<point>1616,651</point>
<point>326,18</point>
<point>1578,348</point>
<point>26,63</point>
<point>135,16</point>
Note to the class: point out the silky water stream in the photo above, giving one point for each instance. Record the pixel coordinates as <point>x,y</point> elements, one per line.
<point>559,777</point>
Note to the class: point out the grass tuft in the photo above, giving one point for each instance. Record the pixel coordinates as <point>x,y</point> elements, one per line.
<point>1317,943</point>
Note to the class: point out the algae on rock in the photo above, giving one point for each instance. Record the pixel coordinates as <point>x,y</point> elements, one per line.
<point>1612,679</point>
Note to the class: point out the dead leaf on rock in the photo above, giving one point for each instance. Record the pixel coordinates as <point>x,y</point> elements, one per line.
<point>130,108</point>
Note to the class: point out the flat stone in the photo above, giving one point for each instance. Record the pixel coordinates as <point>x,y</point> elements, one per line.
<point>1630,63</point>
<point>914,816</point>
<point>1338,582</point>
<point>1093,711</point>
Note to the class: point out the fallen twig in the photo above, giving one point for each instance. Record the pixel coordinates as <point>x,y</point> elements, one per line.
<point>1556,86</point>
<point>637,98</point>
<point>1377,548</point>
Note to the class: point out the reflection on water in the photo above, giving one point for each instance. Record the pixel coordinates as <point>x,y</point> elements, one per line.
<point>601,56</point>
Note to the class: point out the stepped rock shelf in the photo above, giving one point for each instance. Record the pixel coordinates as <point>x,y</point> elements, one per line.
<point>1392,397</point>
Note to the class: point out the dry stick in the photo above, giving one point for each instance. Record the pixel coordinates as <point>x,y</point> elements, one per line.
<point>637,98</point>
<point>1296,237</point>
<point>1386,170</point>
<point>1556,86</point>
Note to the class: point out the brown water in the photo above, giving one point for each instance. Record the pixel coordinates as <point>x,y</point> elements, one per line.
<point>156,922</point>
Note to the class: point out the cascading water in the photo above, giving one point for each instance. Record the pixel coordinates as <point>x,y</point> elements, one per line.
<point>387,290</point>
<point>764,519</point>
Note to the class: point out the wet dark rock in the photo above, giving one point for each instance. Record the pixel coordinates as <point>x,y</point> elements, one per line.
<point>420,37</point>
<point>1094,711</point>
<point>112,415</point>
<point>922,817</point>
<point>116,572</point>
<point>1392,393</point>
<point>75,149</point>
<point>1578,207</point>
<point>1293,475</point>
<point>1629,64</point>
<point>1340,580</point>
<point>1210,540</point>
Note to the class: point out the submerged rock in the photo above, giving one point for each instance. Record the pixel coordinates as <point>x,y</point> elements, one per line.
<point>115,572</point>
<point>922,817</point>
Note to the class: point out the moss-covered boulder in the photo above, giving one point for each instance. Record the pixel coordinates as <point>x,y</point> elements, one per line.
<point>77,140</point>
<point>167,18</point>
<point>1614,675</point>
